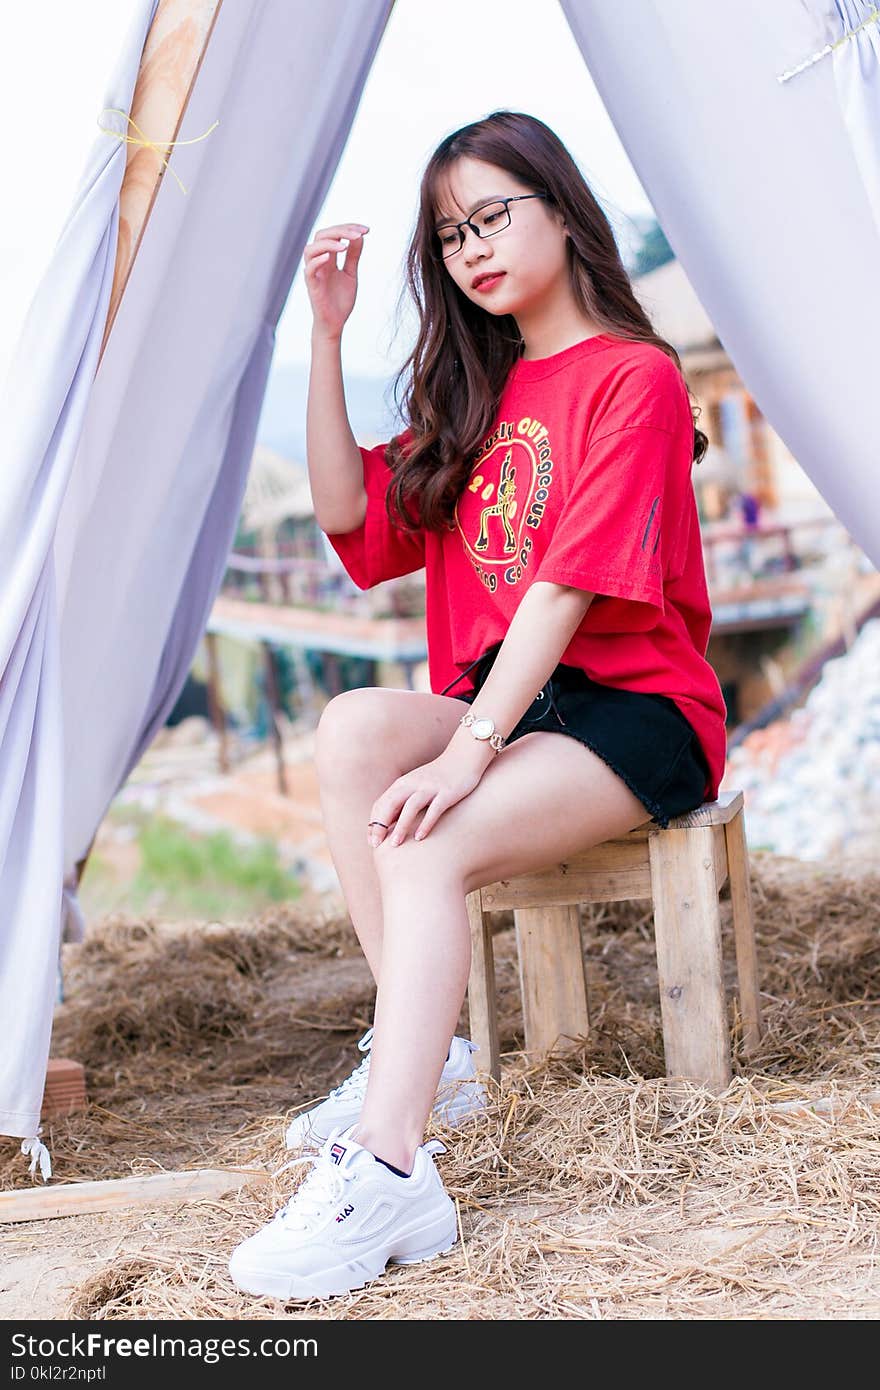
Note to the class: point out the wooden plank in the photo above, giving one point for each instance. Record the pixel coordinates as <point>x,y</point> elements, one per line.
<point>611,872</point>
<point>115,1194</point>
<point>719,844</point>
<point>482,1000</point>
<point>687,930</point>
<point>744,932</point>
<point>615,871</point>
<point>551,969</point>
<point>719,812</point>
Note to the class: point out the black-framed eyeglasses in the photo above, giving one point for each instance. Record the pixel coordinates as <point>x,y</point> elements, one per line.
<point>484,222</point>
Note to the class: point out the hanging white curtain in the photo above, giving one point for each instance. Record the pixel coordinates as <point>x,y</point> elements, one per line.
<point>851,30</point>
<point>768,192</point>
<point>119,492</point>
<point>44,406</point>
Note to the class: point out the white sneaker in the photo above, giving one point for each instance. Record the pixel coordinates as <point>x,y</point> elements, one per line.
<point>344,1223</point>
<point>459,1097</point>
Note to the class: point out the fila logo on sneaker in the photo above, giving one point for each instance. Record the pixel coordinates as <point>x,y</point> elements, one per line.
<point>338,1152</point>
<point>347,1211</point>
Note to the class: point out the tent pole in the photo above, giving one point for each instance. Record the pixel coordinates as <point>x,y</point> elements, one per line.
<point>173,53</point>
<point>81,863</point>
<point>274,699</point>
<point>215,700</point>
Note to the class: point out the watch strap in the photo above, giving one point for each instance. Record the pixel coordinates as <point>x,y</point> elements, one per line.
<point>495,740</point>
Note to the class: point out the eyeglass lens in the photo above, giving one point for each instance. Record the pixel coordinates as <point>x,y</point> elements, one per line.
<point>492,218</point>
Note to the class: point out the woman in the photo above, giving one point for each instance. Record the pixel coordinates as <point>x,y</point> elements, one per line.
<point>544,483</point>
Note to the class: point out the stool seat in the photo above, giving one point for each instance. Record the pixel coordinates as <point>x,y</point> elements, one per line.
<point>682,869</point>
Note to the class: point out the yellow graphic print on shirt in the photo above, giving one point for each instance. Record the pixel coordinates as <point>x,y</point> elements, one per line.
<point>504,501</point>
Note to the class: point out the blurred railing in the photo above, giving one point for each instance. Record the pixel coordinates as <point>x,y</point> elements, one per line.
<point>776,572</point>
<point>305,581</point>
<point>735,553</point>
<point>800,556</point>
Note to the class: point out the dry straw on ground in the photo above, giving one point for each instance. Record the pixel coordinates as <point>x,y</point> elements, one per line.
<point>589,1189</point>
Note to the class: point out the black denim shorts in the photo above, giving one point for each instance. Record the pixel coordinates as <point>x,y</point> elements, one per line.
<point>645,739</point>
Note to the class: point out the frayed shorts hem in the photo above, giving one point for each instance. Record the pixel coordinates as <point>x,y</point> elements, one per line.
<point>649,803</point>
<point>644,739</point>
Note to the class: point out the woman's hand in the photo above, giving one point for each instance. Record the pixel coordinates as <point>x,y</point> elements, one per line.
<point>436,786</point>
<point>333,289</point>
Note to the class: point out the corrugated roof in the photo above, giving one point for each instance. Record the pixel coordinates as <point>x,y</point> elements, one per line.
<point>277,490</point>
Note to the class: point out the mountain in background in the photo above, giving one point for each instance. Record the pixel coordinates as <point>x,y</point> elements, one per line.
<point>283,419</point>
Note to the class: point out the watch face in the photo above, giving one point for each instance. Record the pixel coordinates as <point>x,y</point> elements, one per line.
<point>483,728</point>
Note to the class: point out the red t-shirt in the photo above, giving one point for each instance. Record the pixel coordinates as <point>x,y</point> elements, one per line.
<point>583,479</point>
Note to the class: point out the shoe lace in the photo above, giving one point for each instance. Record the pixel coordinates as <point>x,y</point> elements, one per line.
<point>321,1187</point>
<point>356,1083</point>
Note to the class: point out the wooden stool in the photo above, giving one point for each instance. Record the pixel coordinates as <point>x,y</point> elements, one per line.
<point>683,869</point>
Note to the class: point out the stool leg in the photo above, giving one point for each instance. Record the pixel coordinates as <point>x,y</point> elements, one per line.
<point>551,972</point>
<point>482,1002</point>
<point>687,931</point>
<point>744,931</point>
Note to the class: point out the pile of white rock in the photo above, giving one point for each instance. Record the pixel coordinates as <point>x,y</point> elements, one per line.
<point>812,781</point>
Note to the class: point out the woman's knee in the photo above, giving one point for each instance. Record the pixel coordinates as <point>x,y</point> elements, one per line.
<point>438,858</point>
<point>385,730</point>
<point>355,728</point>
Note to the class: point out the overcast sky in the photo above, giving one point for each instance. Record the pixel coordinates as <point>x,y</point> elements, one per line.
<point>438,67</point>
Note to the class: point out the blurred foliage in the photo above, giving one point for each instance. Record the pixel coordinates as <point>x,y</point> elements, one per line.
<point>184,874</point>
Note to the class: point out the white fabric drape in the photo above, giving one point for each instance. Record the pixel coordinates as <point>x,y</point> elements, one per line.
<point>852,29</point>
<point>119,492</point>
<point>767,191</point>
<point>45,402</point>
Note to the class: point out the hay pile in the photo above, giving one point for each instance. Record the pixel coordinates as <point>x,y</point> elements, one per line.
<point>589,1190</point>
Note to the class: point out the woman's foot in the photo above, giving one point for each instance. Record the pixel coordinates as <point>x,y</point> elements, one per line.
<point>460,1096</point>
<point>346,1221</point>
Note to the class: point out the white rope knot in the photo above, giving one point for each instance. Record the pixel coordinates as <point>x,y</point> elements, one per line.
<point>872,18</point>
<point>39,1154</point>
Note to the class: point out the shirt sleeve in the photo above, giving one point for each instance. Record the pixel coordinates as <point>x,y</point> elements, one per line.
<point>377,549</point>
<point>620,531</point>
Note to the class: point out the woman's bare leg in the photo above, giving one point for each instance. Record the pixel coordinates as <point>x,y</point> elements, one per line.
<point>366,739</point>
<point>425,964</point>
<point>545,798</point>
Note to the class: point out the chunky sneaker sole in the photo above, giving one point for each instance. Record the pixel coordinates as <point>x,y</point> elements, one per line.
<point>349,1219</point>
<point>460,1098</point>
<point>411,1248</point>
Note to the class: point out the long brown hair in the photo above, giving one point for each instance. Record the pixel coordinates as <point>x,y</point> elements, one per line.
<point>456,372</point>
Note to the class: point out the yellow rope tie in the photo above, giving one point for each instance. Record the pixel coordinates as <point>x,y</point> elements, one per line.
<point>145,141</point>
<point>829,47</point>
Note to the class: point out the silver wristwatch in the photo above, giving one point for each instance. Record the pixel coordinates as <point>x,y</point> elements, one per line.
<point>483,728</point>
